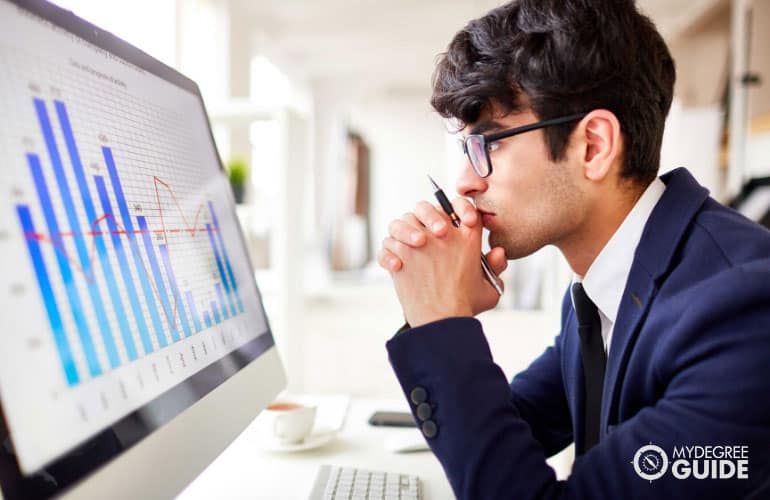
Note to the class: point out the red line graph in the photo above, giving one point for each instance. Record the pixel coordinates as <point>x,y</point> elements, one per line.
<point>94,232</point>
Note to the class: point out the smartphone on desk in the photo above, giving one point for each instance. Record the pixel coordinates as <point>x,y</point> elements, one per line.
<point>392,419</point>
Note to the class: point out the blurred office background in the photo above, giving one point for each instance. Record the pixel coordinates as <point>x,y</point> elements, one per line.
<point>321,114</point>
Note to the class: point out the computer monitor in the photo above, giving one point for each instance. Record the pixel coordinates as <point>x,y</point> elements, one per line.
<point>133,341</point>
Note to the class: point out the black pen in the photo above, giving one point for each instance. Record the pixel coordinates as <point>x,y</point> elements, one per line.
<point>450,211</point>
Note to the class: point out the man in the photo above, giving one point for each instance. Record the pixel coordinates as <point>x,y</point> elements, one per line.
<point>665,330</point>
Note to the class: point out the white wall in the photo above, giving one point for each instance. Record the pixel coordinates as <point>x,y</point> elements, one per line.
<point>692,140</point>
<point>758,155</point>
<point>407,140</point>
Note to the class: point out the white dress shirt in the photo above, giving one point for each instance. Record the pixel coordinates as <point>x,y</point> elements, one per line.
<point>606,278</point>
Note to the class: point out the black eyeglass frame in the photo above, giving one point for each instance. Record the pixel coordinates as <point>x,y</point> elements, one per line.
<point>489,138</point>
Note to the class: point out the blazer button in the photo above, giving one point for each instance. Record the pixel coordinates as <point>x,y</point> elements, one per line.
<point>418,395</point>
<point>424,411</point>
<point>429,429</point>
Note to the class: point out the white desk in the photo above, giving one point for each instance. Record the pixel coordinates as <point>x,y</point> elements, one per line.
<point>244,470</point>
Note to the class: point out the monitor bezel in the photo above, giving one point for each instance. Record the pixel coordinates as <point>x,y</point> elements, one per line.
<point>181,402</point>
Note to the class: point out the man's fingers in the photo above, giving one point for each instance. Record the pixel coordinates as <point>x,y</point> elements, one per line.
<point>464,209</point>
<point>396,248</point>
<point>496,259</point>
<point>407,233</point>
<point>432,218</point>
<point>389,261</point>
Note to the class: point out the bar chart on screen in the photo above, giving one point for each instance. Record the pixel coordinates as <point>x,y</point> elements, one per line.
<point>120,241</point>
<point>126,291</point>
<point>122,254</point>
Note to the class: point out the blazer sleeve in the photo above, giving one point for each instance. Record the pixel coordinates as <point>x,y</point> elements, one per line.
<point>712,374</point>
<point>538,394</point>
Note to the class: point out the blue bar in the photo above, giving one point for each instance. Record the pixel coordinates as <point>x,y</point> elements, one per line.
<point>68,363</point>
<point>226,258</point>
<point>174,289</point>
<point>145,230</point>
<point>221,300</point>
<point>221,269</point>
<point>64,266</point>
<point>125,272</point>
<point>207,319</point>
<point>138,263</point>
<point>193,310</point>
<point>112,282</point>
<point>85,259</point>
<point>216,313</point>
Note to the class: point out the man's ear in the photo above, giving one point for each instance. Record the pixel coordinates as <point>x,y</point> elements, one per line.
<point>601,142</point>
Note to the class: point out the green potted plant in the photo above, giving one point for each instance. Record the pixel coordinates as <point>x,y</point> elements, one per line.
<point>238,173</point>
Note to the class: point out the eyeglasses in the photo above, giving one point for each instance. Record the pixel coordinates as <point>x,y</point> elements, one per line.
<point>476,146</point>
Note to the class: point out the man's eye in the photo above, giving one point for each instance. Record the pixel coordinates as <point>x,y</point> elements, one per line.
<point>492,146</point>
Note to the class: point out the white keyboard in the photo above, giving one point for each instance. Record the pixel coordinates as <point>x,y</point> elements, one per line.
<point>333,483</point>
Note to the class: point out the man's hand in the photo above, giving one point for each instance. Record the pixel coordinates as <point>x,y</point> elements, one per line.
<point>436,268</point>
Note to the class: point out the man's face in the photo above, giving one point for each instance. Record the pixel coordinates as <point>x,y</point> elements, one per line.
<point>529,201</point>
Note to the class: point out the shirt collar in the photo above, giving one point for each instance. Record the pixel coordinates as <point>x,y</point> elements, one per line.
<point>606,278</point>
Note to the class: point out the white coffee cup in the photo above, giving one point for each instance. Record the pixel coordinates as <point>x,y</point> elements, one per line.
<point>289,422</point>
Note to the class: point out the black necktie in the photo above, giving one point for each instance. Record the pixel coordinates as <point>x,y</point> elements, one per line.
<point>594,362</point>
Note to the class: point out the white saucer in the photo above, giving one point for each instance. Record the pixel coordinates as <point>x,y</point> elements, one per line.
<point>309,443</point>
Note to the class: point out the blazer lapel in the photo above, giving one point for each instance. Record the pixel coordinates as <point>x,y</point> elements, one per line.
<point>639,293</point>
<point>653,258</point>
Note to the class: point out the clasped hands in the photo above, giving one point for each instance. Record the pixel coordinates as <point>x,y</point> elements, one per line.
<point>436,267</point>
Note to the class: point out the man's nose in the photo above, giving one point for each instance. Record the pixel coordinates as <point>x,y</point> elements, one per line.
<point>469,183</point>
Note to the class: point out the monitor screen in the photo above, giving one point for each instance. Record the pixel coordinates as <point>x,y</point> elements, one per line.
<point>126,290</point>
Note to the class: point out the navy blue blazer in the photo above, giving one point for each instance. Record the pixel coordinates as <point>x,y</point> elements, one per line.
<point>689,365</point>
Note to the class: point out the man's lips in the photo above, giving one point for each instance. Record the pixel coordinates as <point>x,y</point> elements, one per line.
<point>486,217</point>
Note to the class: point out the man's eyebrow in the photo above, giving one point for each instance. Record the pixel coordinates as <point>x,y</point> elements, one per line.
<point>485,126</point>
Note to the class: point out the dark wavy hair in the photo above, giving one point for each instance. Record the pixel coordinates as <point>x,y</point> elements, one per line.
<point>560,57</point>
